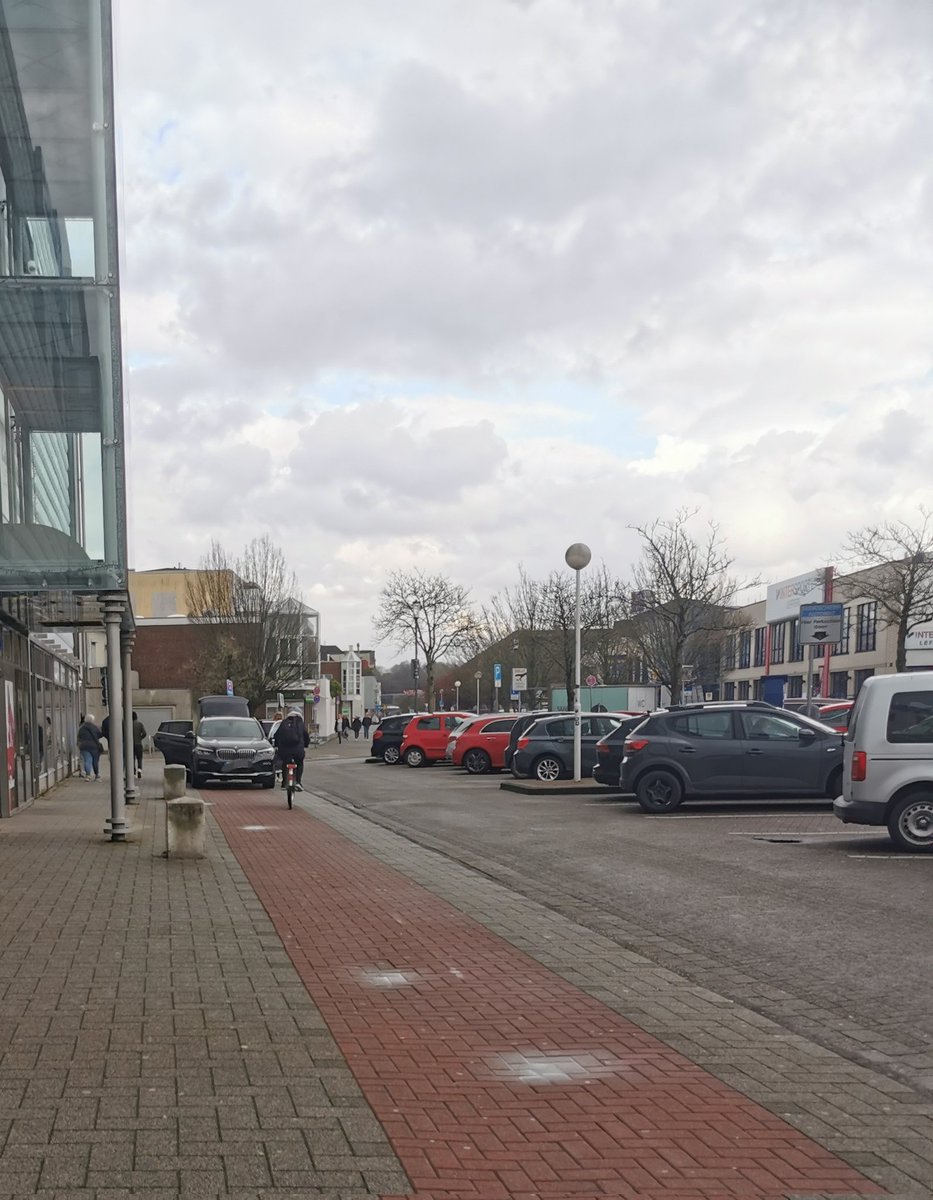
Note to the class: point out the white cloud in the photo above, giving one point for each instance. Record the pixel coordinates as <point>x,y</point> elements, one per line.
<point>456,285</point>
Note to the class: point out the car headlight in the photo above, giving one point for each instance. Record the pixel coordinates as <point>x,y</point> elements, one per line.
<point>265,755</point>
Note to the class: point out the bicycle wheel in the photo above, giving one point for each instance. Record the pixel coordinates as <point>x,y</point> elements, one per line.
<point>289,792</point>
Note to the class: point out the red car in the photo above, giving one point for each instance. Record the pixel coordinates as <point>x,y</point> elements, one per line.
<point>836,715</point>
<point>425,737</point>
<point>479,747</point>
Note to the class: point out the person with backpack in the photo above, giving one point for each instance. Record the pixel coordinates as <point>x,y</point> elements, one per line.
<point>291,739</point>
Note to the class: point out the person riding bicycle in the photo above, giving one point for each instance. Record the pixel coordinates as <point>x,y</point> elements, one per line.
<point>290,739</point>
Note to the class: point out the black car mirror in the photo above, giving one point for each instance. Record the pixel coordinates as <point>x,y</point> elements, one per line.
<point>806,735</point>
<point>189,736</point>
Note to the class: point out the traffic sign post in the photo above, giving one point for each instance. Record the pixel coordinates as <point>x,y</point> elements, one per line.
<point>818,625</point>
<point>496,683</point>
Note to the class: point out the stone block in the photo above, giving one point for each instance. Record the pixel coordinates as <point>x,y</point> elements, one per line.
<point>184,828</point>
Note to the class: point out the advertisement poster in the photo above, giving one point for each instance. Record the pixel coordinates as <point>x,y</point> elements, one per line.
<point>10,738</point>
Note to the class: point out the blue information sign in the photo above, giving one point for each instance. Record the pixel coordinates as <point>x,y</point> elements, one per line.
<point>497,674</point>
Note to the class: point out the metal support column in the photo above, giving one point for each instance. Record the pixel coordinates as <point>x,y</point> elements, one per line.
<point>114,607</point>
<point>129,773</point>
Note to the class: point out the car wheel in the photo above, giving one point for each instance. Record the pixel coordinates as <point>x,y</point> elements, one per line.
<point>910,823</point>
<point>477,762</point>
<point>834,784</point>
<point>548,768</point>
<point>414,757</point>
<point>390,755</point>
<point>659,792</point>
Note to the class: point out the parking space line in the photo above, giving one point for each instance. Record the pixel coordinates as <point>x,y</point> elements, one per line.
<point>906,857</point>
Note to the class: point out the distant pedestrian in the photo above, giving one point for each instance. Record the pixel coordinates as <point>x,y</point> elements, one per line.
<point>357,726</point>
<point>139,736</point>
<point>345,725</point>
<point>367,721</point>
<point>338,729</point>
<point>105,729</point>
<point>89,736</point>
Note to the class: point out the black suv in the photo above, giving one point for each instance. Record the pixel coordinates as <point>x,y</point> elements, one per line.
<point>736,749</point>
<point>610,750</point>
<point>387,736</point>
<point>231,749</point>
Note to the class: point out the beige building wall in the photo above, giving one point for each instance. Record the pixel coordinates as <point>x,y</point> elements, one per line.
<point>848,666</point>
<point>163,593</point>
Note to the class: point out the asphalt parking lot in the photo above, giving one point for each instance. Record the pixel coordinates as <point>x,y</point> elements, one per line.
<point>773,904</point>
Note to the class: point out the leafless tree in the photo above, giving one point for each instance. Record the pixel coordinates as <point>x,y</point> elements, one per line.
<point>894,562</point>
<point>428,613</point>
<point>252,606</point>
<point>687,590</point>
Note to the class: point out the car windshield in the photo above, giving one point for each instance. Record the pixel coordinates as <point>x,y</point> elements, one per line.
<point>229,727</point>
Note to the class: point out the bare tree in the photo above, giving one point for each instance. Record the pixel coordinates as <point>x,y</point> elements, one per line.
<point>253,608</point>
<point>686,592</point>
<point>895,569</point>
<point>430,614</point>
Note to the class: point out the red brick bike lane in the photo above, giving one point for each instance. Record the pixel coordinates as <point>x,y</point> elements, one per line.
<point>494,1078</point>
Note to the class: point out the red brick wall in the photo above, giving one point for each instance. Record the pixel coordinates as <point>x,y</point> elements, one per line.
<point>163,654</point>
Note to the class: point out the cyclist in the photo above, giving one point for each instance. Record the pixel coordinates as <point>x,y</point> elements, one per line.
<point>291,739</point>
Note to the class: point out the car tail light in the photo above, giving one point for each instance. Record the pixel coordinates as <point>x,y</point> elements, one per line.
<point>632,745</point>
<point>377,734</point>
<point>859,766</point>
<point>522,743</point>
<point>601,749</point>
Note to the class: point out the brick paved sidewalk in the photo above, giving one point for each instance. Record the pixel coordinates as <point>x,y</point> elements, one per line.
<point>157,1040</point>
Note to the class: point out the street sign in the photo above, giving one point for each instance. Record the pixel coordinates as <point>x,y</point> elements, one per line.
<point>229,687</point>
<point>590,681</point>
<point>515,695</point>
<point>497,674</point>
<point>820,624</point>
<point>519,679</point>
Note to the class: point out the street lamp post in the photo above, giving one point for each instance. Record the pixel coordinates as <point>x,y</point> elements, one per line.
<point>457,701</point>
<point>577,557</point>
<point>478,675</point>
<point>415,606</point>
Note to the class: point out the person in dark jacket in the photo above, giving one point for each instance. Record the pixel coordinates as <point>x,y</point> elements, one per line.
<point>367,721</point>
<point>89,736</point>
<point>357,726</point>
<point>338,729</point>
<point>139,736</point>
<point>345,726</point>
<point>291,740</point>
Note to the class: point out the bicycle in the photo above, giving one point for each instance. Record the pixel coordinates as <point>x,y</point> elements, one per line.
<point>288,772</point>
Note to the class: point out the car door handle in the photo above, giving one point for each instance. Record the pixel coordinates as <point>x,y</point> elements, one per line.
<point>688,750</point>
<point>754,751</point>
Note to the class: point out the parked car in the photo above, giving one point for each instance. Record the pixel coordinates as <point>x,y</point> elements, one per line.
<point>479,745</point>
<point>525,721</point>
<point>729,749</point>
<point>231,749</point>
<point>172,740</point>
<point>836,714</point>
<point>610,749</point>
<point>888,776</point>
<point>222,706</point>
<point>387,737</point>
<point>545,750</point>
<point>425,738</point>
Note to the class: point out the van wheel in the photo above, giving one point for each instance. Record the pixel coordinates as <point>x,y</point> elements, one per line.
<point>659,792</point>
<point>414,757</point>
<point>834,784</point>
<point>910,824</point>
<point>390,755</point>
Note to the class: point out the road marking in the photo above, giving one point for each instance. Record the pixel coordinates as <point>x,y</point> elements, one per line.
<point>730,816</point>
<point>799,833</point>
<point>905,857</point>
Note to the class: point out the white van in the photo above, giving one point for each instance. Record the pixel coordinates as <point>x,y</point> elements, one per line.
<point>888,764</point>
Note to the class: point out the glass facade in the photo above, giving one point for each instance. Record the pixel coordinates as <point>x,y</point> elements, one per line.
<point>62,489</point>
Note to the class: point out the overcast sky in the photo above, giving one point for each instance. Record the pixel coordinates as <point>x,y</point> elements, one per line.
<point>453,285</point>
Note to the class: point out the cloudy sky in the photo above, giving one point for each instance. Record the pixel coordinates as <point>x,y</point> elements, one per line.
<point>452,285</point>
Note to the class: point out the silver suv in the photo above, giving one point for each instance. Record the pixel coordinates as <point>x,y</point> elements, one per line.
<point>889,759</point>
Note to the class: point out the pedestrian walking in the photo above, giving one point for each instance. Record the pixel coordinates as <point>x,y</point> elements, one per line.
<point>367,721</point>
<point>357,726</point>
<point>338,729</point>
<point>345,725</point>
<point>89,735</point>
<point>139,736</point>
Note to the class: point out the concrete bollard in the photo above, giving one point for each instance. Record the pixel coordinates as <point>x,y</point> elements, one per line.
<point>184,828</point>
<point>173,782</point>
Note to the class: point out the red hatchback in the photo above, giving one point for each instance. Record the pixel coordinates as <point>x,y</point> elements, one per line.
<point>425,738</point>
<point>836,715</point>
<point>480,746</point>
